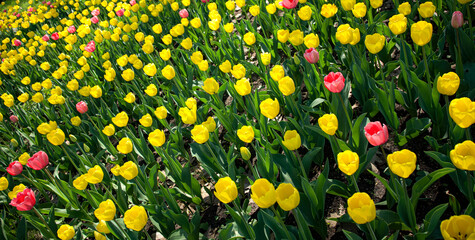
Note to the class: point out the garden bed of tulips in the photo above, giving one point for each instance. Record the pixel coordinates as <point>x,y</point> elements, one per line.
<point>245,119</point>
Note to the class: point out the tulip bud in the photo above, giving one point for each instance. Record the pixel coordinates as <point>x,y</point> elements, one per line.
<point>13,118</point>
<point>73,138</point>
<point>86,148</point>
<point>14,142</point>
<point>311,55</point>
<point>245,153</point>
<point>457,19</point>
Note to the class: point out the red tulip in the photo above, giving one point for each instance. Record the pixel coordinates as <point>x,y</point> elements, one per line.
<point>13,118</point>
<point>71,29</point>
<point>45,38</point>
<point>334,82</point>
<point>38,161</point>
<point>95,19</point>
<point>96,12</point>
<point>24,201</point>
<point>55,36</point>
<point>183,13</point>
<point>120,12</point>
<point>289,4</point>
<point>91,46</point>
<point>311,55</point>
<point>457,19</point>
<point>15,168</point>
<point>81,107</point>
<point>376,133</point>
<point>17,42</point>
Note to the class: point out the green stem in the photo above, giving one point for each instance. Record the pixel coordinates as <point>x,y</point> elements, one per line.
<point>302,168</point>
<point>404,49</point>
<point>353,179</point>
<point>254,172</point>
<point>426,66</point>
<point>121,229</point>
<point>470,193</point>
<point>469,135</point>
<point>248,227</point>
<point>44,221</point>
<point>347,116</point>
<point>371,231</point>
<point>215,159</point>
<point>277,214</point>
<point>470,20</point>
<point>70,159</point>
<point>449,139</point>
<point>459,52</point>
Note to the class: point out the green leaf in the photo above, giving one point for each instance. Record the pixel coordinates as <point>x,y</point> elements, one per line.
<point>431,221</point>
<point>351,236</point>
<point>21,229</point>
<point>420,186</point>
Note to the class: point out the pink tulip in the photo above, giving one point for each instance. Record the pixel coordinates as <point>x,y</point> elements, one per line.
<point>204,1</point>
<point>13,118</point>
<point>24,201</point>
<point>457,19</point>
<point>183,13</point>
<point>376,133</point>
<point>45,38</point>
<point>38,161</point>
<point>55,36</point>
<point>95,19</point>
<point>132,2</point>
<point>96,12</point>
<point>17,42</point>
<point>334,82</point>
<point>289,4</point>
<point>120,12</point>
<point>81,107</point>
<point>15,168</point>
<point>311,55</point>
<point>71,29</point>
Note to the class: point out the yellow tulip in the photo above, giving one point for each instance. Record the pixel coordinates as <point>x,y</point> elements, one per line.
<point>458,227</point>
<point>109,130</point>
<point>125,146</point>
<point>150,69</point>
<point>106,210</point>
<point>210,124</point>
<point>305,13</point>
<point>161,112</point>
<point>463,155</point>
<point>398,24</point>
<point>361,208</point>
<point>421,33</point>
<point>348,162</point>
<point>246,134</point>
<point>344,34</point>
<point>168,72</point>
<point>359,10</point>
<point>129,170</point>
<point>156,138</point>
<point>263,193</point>
<point>462,111</point>
<point>277,73</point>
<point>286,86</point>
<point>225,190</point>
<point>94,175</point>
<point>270,108</point>
<point>296,37</point>
<point>374,43</point>
<point>135,218</point>
<point>288,196</point>
<point>347,4</point>
<point>66,232</point>
<point>56,137</point>
<point>328,123</point>
<point>427,9</point>
<point>243,87</point>
<point>3,183</point>
<point>200,134</point>
<point>121,119</point>
<point>448,84</point>
<point>328,10</point>
<point>292,140</point>
<point>402,163</point>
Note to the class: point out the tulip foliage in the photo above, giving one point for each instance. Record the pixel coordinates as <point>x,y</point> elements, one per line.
<point>232,119</point>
